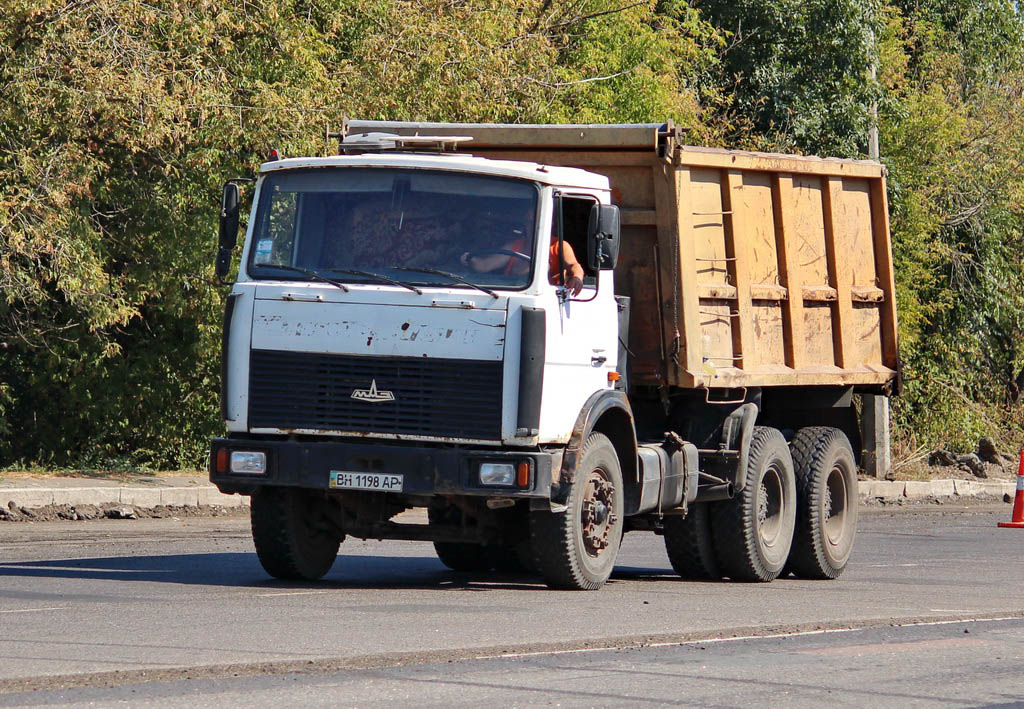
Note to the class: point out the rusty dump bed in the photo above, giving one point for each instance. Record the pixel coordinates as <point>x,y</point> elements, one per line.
<point>743,269</point>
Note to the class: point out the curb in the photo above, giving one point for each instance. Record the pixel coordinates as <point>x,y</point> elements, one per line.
<point>31,497</point>
<point>919,490</point>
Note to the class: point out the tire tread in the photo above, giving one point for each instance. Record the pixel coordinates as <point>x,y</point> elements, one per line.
<point>809,447</point>
<point>689,545</point>
<point>273,515</point>
<point>553,538</point>
<point>734,533</point>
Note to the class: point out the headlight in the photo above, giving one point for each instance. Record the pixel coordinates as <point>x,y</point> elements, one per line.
<point>503,474</point>
<point>248,462</point>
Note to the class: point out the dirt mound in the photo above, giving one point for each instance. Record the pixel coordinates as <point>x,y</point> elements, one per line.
<point>54,513</point>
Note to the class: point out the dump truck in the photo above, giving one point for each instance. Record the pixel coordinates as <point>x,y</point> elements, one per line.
<point>519,342</point>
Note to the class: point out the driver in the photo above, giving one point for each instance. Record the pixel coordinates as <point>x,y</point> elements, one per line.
<point>519,266</point>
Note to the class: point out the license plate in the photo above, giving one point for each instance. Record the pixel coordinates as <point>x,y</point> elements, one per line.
<point>383,482</point>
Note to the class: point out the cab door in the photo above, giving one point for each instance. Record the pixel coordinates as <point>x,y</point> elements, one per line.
<point>582,333</point>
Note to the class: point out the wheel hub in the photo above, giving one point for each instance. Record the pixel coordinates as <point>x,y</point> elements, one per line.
<point>597,518</point>
<point>770,503</point>
<point>834,506</point>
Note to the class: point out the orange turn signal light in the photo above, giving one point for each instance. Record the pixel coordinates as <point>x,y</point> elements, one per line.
<point>523,474</point>
<point>222,460</point>
<point>614,376</point>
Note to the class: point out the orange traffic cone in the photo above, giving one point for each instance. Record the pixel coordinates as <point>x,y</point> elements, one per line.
<point>1018,500</point>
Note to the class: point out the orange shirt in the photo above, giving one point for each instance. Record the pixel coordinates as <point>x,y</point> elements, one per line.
<point>568,255</point>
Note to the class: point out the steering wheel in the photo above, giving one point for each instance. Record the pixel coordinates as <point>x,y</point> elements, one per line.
<point>504,252</point>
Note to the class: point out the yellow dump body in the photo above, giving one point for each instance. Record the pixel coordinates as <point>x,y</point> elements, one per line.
<point>743,269</point>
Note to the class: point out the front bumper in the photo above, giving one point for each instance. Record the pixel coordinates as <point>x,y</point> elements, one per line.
<point>427,470</point>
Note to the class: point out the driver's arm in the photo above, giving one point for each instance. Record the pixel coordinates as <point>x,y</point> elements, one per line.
<point>485,264</point>
<point>492,262</point>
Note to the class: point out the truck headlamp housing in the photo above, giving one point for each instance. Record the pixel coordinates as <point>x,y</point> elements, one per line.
<point>498,474</point>
<point>248,462</point>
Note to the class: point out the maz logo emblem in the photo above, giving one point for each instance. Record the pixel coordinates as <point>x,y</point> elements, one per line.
<point>372,394</point>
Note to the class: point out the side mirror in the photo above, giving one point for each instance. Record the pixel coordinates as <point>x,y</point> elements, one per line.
<point>603,237</point>
<point>228,229</point>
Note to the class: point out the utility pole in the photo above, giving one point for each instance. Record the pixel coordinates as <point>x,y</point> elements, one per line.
<point>873,128</point>
<point>874,421</point>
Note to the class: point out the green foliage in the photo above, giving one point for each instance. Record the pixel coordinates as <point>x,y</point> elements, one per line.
<point>798,71</point>
<point>954,143</point>
<point>119,121</point>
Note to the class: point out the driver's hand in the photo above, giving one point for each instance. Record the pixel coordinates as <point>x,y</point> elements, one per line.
<point>464,259</point>
<point>575,285</point>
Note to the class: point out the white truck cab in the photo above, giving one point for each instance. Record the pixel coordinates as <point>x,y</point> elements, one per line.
<point>404,324</point>
<point>411,312</point>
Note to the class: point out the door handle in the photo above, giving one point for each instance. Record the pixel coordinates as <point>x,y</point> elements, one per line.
<point>597,361</point>
<point>314,298</point>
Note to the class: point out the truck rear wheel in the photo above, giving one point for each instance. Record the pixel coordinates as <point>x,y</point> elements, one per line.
<point>689,546</point>
<point>576,549</point>
<point>293,539</point>
<point>753,532</point>
<point>826,498</point>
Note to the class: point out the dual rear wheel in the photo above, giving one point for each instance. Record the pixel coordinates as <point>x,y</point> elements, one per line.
<point>796,514</point>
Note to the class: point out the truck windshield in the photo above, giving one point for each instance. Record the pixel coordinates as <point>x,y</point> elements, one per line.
<point>396,225</point>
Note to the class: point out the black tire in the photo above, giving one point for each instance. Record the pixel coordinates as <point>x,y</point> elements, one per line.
<point>689,546</point>
<point>753,532</point>
<point>458,556</point>
<point>293,540</point>
<point>576,549</point>
<point>511,559</point>
<point>826,503</point>
<point>463,556</point>
<point>511,553</point>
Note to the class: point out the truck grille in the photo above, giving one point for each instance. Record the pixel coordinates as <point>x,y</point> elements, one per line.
<point>453,398</point>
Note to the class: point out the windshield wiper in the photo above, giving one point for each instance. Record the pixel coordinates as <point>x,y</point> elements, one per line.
<point>454,276</point>
<point>312,274</point>
<point>377,276</point>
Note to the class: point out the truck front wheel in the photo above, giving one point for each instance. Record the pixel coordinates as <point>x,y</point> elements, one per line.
<point>826,516</point>
<point>753,532</point>
<point>294,539</point>
<point>576,549</point>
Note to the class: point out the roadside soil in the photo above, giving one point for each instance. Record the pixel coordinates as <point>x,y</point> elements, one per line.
<point>74,513</point>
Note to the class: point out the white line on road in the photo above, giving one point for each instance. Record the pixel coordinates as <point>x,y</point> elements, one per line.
<point>954,622</point>
<point>773,636</point>
<point>34,610</point>
<point>290,593</point>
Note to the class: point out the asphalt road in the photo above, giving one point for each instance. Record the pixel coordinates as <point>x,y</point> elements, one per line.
<point>185,607</point>
<point>946,665</point>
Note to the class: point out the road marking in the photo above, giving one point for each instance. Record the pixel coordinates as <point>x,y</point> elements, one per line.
<point>290,593</point>
<point>550,652</point>
<point>891,566</point>
<point>795,634</point>
<point>894,647</point>
<point>44,567</point>
<point>734,638</point>
<point>954,622</point>
<point>34,610</point>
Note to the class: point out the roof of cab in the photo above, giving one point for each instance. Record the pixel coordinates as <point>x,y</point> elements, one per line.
<point>546,174</point>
